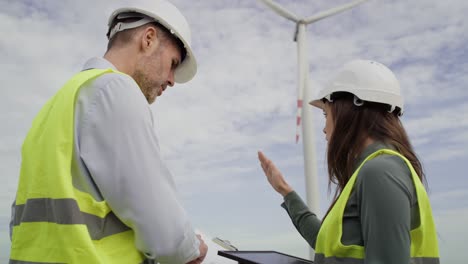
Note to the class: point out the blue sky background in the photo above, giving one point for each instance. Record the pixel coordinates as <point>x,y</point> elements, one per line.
<point>243,99</point>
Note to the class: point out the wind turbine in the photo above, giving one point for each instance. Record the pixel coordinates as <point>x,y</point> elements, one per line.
<point>305,113</point>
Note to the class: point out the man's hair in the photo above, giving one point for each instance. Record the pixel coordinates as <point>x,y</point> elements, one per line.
<point>125,36</point>
<point>352,126</point>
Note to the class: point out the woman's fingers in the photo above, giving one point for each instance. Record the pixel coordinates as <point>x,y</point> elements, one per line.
<point>262,157</point>
<point>267,165</point>
<point>264,162</point>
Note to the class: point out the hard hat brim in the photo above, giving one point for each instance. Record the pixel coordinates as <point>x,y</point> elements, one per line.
<point>187,69</point>
<point>317,103</point>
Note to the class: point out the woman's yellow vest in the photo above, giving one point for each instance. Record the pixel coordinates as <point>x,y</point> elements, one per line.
<point>329,249</point>
<point>55,222</point>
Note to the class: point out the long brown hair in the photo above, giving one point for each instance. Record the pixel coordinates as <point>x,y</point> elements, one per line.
<point>352,126</point>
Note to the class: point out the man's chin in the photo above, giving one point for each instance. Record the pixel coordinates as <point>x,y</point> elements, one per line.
<point>151,100</point>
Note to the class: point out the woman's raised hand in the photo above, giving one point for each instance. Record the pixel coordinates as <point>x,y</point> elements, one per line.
<point>274,176</point>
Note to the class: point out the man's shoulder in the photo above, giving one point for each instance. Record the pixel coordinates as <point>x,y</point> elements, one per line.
<point>113,84</point>
<point>111,90</point>
<point>110,79</point>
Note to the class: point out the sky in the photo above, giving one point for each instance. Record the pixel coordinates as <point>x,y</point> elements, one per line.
<point>243,99</point>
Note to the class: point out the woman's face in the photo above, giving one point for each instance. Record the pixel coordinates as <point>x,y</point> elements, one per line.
<point>329,126</point>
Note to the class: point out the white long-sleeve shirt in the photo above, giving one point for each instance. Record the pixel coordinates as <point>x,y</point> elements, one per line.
<point>117,159</point>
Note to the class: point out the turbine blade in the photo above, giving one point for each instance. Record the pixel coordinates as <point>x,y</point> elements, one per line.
<point>280,10</point>
<point>332,11</point>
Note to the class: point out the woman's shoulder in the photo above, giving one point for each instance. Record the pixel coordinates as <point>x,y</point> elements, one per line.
<point>386,162</point>
<point>386,171</point>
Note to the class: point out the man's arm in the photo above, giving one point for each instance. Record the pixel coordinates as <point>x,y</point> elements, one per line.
<point>120,150</point>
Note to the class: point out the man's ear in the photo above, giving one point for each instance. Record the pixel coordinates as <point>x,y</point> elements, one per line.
<point>149,40</point>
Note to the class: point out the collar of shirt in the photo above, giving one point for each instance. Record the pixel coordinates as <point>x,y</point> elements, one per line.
<point>98,63</point>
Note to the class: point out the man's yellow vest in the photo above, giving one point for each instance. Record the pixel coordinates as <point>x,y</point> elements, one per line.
<point>329,249</point>
<point>55,222</point>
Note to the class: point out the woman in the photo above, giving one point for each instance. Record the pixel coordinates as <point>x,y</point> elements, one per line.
<point>380,212</point>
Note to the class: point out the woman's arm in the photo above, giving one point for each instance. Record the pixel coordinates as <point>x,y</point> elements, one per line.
<point>305,221</point>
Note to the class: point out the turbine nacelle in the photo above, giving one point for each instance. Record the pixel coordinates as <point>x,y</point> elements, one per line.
<point>280,10</point>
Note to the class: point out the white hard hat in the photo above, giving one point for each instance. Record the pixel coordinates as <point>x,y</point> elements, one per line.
<point>368,81</point>
<point>171,18</point>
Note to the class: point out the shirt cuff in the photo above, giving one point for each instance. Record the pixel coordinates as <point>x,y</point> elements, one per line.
<point>291,198</point>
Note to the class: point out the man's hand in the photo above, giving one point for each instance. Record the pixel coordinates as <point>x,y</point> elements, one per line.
<point>203,248</point>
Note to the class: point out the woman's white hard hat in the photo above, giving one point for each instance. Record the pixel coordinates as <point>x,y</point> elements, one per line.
<point>171,18</point>
<point>368,81</point>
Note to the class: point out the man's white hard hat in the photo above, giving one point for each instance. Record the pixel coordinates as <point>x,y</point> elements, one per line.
<point>168,16</point>
<point>368,81</point>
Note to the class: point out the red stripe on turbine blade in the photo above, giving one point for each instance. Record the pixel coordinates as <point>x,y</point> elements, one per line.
<point>298,120</point>
<point>299,103</point>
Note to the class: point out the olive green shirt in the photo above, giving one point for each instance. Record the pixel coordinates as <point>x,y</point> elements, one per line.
<point>379,214</point>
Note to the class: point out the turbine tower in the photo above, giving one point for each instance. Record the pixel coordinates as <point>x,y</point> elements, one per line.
<point>305,113</point>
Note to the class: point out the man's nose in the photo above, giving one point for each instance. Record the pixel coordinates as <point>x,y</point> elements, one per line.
<point>171,80</point>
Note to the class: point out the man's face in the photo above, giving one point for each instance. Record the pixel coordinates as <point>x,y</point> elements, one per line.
<point>155,72</point>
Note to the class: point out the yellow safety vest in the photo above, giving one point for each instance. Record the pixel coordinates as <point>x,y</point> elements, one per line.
<point>55,222</point>
<point>329,249</point>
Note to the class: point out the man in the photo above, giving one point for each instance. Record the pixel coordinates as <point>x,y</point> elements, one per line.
<point>93,187</point>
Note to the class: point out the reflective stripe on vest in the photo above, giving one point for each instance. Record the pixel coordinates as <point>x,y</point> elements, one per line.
<point>320,258</point>
<point>330,250</point>
<point>67,212</point>
<point>146,261</point>
<point>55,222</point>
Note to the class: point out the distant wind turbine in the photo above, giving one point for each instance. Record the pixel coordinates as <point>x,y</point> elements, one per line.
<point>310,163</point>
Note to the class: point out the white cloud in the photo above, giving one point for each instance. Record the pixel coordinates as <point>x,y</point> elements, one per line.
<point>452,234</point>
<point>442,129</point>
